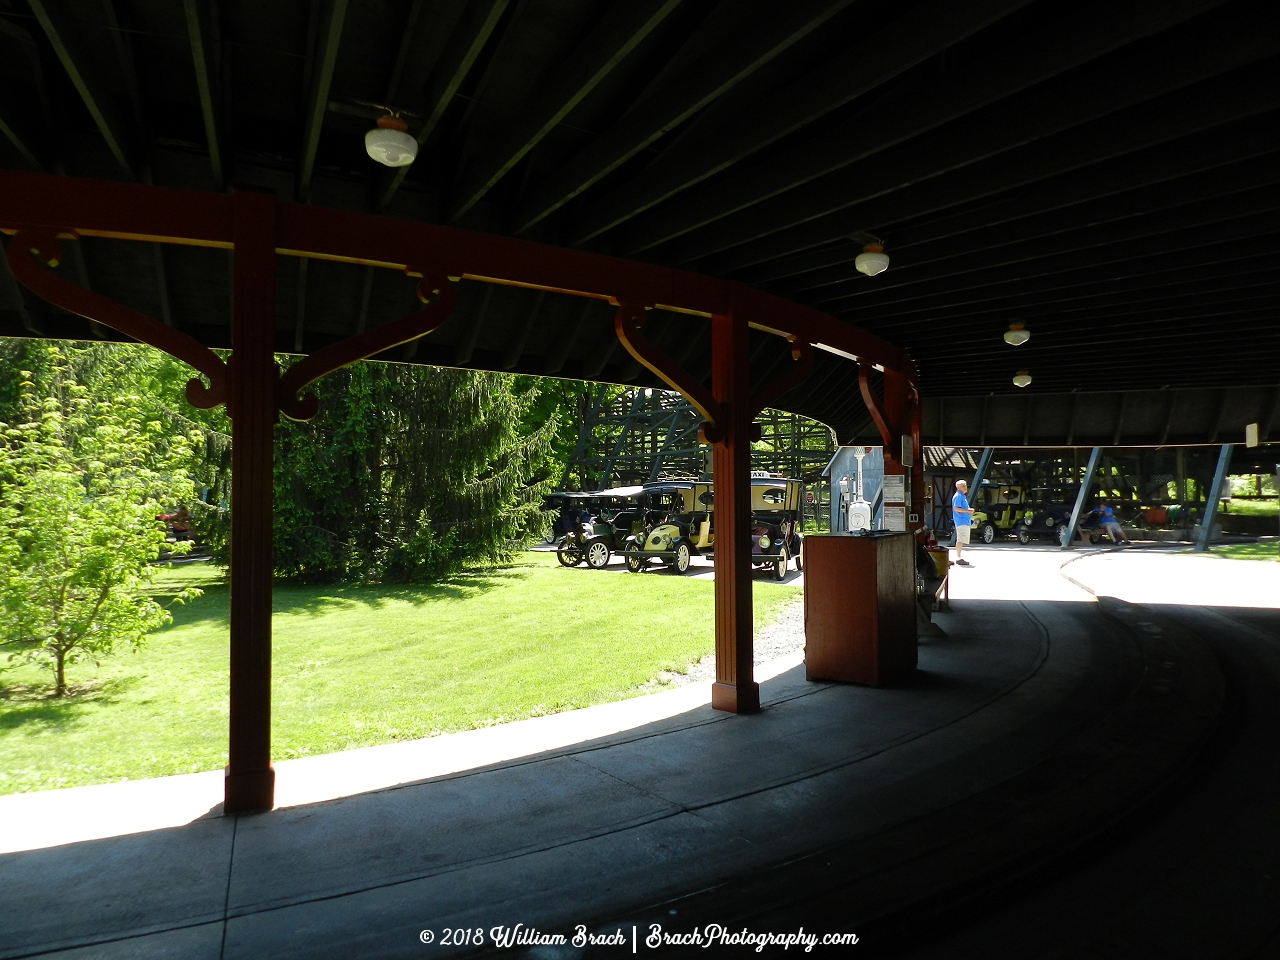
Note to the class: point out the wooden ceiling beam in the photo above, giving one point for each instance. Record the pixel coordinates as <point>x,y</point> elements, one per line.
<point>204,63</point>
<point>757,32</point>
<point>620,30</point>
<point>57,22</point>
<point>898,118</point>
<point>1081,247</point>
<point>1162,205</point>
<point>470,36</point>
<point>1135,256</point>
<point>719,138</point>
<point>326,58</point>
<point>1179,114</point>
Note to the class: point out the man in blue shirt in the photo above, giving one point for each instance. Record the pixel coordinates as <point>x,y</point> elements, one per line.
<point>962,514</point>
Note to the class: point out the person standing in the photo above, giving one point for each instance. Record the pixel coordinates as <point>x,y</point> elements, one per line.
<point>962,515</point>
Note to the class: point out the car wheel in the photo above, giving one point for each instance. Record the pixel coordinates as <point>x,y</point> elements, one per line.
<point>988,533</point>
<point>569,554</point>
<point>1064,535</point>
<point>597,555</point>
<point>683,557</point>
<point>780,565</point>
<point>635,562</point>
<point>1024,536</point>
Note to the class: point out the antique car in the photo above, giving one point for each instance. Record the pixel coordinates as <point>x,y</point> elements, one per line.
<point>596,524</point>
<point>677,525</point>
<point>1004,515</point>
<point>680,520</point>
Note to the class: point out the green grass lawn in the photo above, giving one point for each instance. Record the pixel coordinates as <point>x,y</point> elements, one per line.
<point>357,666</point>
<point>1254,508</point>
<point>1263,550</point>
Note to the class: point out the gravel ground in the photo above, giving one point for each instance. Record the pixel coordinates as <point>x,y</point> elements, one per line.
<point>783,636</point>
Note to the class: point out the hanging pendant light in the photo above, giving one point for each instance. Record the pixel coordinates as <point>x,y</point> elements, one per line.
<point>1022,379</point>
<point>872,260</point>
<point>1016,335</point>
<point>390,144</point>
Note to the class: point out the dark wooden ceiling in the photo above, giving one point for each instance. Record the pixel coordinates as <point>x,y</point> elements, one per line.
<point>1104,172</point>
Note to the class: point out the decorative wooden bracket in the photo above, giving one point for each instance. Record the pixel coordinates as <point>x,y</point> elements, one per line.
<point>802,353</point>
<point>435,291</point>
<point>28,246</point>
<point>877,415</point>
<point>626,323</point>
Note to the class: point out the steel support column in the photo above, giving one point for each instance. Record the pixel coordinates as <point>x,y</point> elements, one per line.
<point>1211,505</point>
<point>251,402</point>
<point>984,464</point>
<point>1086,483</point>
<point>735,688</point>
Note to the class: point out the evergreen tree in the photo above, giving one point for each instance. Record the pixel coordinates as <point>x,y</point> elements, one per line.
<point>409,474</point>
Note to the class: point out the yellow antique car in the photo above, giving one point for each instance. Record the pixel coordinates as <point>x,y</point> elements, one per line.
<point>680,525</point>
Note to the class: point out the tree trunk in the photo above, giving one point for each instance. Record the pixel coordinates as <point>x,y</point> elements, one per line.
<point>60,679</point>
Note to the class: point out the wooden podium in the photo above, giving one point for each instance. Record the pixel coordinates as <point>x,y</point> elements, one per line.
<point>859,607</point>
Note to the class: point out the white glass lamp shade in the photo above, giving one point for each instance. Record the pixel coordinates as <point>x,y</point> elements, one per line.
<point>1022,379</point>
<point>872,260</point>
<point>390,144</point>
<point>1016,335</point>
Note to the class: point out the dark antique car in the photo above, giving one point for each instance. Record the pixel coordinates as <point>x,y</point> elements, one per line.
<point>680,525</point>
<point>595,525</point>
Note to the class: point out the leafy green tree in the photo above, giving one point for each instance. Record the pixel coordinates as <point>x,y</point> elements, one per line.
<point>81,483</point>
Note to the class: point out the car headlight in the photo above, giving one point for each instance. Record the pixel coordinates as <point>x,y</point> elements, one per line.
<point>764,542</point>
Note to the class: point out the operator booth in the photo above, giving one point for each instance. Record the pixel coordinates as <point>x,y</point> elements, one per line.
<point>860,610</point>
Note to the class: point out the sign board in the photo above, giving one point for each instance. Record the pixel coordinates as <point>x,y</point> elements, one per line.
<point>895,488</point>
<point>908,452</point>
<point>1251,435</point>
<point>895,518</point>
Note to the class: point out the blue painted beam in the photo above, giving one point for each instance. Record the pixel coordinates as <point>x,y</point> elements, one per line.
<point>1211,507</point>
<point>1086,484</point>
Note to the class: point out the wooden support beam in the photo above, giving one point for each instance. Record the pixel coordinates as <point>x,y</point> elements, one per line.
<point>735,689</point>
<point>251,403</point>
<point>57,22</point>
<point>326,58</point>
<point>300,308</point>
<point>621,29</point>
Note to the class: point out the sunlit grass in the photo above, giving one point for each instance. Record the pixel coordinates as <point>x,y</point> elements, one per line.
<point>1254,508</point>
<point>357,666</point>
<point>1262,550</point>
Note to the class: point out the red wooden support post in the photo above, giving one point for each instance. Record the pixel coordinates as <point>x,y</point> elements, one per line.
<point>735,688</point>
<point>251,402</point>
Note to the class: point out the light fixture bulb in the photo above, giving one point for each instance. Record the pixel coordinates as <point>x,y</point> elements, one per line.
<point>872,260</point>
<point>1022,379</point>
<point>1016,335</point>
<point>390,144</point>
